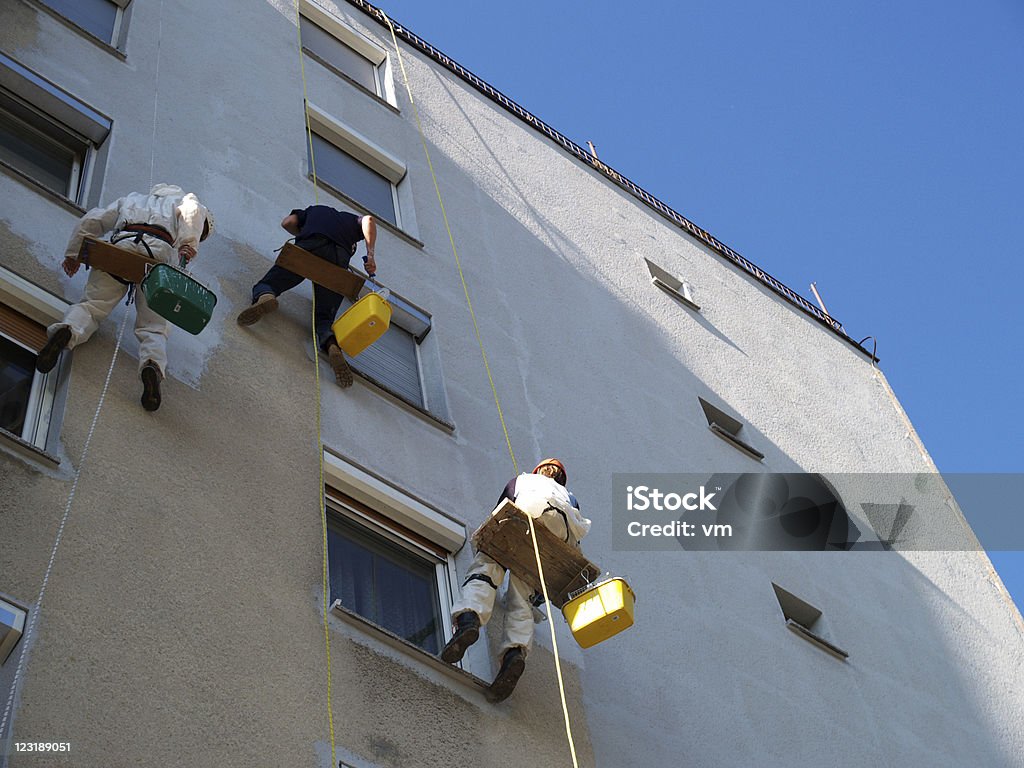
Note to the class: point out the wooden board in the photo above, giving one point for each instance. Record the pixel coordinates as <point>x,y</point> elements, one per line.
<point>505,537</point>
<point>330,276</point>
<point>115,261</point>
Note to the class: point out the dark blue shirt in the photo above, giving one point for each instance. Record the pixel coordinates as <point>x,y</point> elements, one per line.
<point>339,226</point>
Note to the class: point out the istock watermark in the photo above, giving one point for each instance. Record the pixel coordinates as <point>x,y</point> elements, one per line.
<point>817,512</point>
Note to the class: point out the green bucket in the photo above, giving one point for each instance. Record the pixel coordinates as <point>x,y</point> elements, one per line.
<point>174,295</point>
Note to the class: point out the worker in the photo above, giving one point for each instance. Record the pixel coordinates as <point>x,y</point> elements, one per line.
<point>543,496</point>
<point>167,225</point>
<point>331,235</point>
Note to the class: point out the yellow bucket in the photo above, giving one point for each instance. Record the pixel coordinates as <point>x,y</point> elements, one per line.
<point>362,324</point>
<point>603,610</point>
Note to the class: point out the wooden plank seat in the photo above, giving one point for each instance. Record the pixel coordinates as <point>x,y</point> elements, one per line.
<point>505,537</point>
<point>330,276</point>
<point>119,262</point>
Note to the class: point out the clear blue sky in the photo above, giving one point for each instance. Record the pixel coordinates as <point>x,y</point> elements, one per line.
<point>876,148</point>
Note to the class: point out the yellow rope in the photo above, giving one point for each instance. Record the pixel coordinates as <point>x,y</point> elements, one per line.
<point>319,421</point>
<point>490,379</point>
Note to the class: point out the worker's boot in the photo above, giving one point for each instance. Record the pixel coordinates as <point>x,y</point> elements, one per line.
<point>150,386</point>
<point>265,304</point>
<point>342,372</point>
<point>467,631</point>
<point>512,666</point>
<point>50,353</point>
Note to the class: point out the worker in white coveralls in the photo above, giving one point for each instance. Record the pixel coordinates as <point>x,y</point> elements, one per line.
<point>543,496</point>
<point>168,225</point>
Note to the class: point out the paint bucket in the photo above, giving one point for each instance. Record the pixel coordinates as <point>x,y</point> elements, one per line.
<point>600,611</point>
<point>362,324</point>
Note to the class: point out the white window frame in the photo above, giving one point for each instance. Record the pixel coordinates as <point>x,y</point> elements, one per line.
<point>362,45</point>
<point>362,149</point>
<point>728,428</point>
<point>68,114</point>
<point>44,308</point>
<point>678,289</point>
<point>406,511</point>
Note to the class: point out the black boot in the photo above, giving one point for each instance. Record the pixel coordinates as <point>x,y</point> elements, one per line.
<point>150,386</point>
<point>512,666</point>
<point>467,631</point>
<point>50,353</point>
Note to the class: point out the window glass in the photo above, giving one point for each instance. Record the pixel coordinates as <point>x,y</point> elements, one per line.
<point>94,16</point>
<point>334,52</point>
<point>353,179</point>
<point>26,148</point>
<point>17,372</point>
<point>384,583</point>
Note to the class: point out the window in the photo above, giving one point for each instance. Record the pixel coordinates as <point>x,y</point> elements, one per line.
<point>12,626</point>
<point>389,556</point>
<point>339,57</point>
<point>728,428</point>
<point>384,581</point>
<point>802,618</point>
<point>342,50</point>
<point>355,167</point>
<point>673,286</point>
<point>353,179</point>
<point>46,134</point>
<point>29,400</point>
<point>100,18</point>
<point>405,361</point>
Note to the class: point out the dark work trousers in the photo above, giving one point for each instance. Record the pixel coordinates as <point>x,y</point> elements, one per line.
<point>279,280</point>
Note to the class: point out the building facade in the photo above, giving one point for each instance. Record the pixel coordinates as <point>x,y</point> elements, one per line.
<point>173,611</point>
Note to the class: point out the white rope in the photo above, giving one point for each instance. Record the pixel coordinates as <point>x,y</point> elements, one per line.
<point>33,622</point>
<point>156,89</point>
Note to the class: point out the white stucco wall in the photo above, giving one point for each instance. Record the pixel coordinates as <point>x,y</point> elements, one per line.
<point>592,364</point>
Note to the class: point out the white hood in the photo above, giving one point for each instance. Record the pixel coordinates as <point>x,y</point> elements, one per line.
<point>167,190</point>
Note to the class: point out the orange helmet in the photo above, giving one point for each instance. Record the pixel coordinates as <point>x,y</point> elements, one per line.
<point>553,463</point>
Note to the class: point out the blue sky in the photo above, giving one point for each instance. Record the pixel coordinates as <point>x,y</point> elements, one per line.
<point>875,148</point>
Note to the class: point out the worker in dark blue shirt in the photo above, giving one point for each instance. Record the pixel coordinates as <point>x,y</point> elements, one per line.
<point>331,235</point>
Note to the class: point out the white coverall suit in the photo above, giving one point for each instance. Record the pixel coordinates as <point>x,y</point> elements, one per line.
<point>551,505</point>
<point>167,206</point>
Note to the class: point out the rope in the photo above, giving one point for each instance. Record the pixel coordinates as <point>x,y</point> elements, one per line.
<point>33,623</point>
<point>319,416</point>
<point>156,90</point>
<point>494,389</point>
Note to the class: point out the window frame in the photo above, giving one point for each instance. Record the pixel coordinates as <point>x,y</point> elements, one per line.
<point>365,152</point>
<point>59,118</point>
<point>377,505</point>
<point>728,428</point>
<point>44,415</point>
<point>375,526</point>
<point>418,323</point>
<point>355,41</point>
<point>114,44</point>
<point>15,630</point>
<point>680,290</point>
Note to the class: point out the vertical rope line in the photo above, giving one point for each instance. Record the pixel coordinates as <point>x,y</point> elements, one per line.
<point>26,641</point>
<point>325,585</point>
<point>156,90</point>
<point>494,390</point>
<point>455,251</point>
